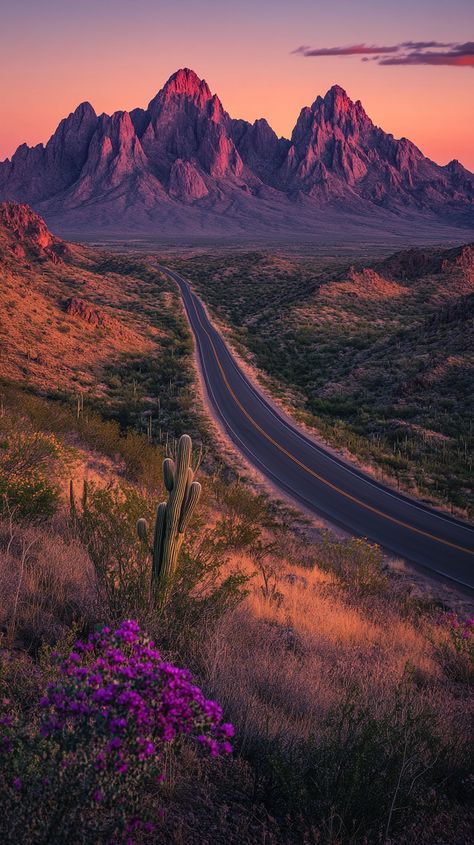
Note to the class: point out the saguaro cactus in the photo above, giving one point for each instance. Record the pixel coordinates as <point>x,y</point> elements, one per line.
<point>172,517</point>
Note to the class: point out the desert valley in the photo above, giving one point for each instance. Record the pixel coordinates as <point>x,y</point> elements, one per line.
<point>236,478</point>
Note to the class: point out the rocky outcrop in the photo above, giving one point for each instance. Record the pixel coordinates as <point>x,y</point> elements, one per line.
<point>184,163</point>
<point>461,257</point>
<point>26,232</point>
<point>186,184</point>
<point>84,310</point>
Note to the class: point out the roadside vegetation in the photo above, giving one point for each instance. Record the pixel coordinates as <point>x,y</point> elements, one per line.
<point>350,698</point>
<point>377,357</point>
<point>328,702</point>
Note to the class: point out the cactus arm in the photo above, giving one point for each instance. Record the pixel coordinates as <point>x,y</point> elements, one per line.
<point>189,506</point>
<point>158,542</point>
<point>85,493</point>
<point>168,474</point>
<point>175,503</point>
<point>142,529</point>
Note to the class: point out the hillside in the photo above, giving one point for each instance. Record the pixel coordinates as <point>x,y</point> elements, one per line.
<point>84,323</point>
<point>376,356</point>
<point>281,622</point>
<point>185,165</point>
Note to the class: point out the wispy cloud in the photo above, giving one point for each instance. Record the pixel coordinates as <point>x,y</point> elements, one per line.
<point>351,50</point>
<point>461,55</point>
<point>405,53</point>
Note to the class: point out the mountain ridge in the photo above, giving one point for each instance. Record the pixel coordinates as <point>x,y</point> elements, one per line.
<point>185,165</point>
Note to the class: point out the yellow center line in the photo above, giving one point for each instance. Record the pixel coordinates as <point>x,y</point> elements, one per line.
<point>312,471</point>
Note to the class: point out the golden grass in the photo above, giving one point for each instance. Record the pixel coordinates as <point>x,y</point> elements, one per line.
<point>279,669</point>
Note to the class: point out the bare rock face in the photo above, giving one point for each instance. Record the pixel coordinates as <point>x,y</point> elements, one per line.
<point>184,85</point>
<point>35,173</point>
<point>259,147</point>
<point>84,310</point>
<point>186,184</point>
<point>336,150</point>
<point>455,263</point>
<point>27,232</point>
<point>461,257</point>
<point>185,164</point>
<point>187,122</point>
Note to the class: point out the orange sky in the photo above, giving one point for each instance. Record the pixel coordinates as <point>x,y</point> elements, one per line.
<point>118,53</point>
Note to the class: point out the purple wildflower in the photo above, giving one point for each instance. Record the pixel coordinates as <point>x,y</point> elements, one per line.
<point>117,693</point>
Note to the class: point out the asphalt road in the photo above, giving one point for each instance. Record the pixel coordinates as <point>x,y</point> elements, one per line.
<point>317,479</point>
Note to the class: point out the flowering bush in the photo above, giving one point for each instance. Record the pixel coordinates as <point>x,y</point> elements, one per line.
<point>456,647</point>
<point>79,774</point>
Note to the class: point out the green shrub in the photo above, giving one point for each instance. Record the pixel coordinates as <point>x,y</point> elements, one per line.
<point>355,562</point>
<point>362,777</point>
<point>31,464</point>
<point>30,497</point>
<point>203,590</point>
<point>245,515</point>
<point>106,524</point>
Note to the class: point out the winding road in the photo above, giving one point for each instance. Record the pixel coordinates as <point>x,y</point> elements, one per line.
<point>323,483</point>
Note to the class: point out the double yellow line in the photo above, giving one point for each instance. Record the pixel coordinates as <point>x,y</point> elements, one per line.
<point>313,472</point>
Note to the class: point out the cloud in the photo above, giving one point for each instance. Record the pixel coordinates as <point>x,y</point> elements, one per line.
<point>405,53</point>
<point>352,50</point>
<point>462,55</point>
<point>421,45</point>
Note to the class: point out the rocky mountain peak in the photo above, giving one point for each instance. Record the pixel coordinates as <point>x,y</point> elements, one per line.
<point>84,110</point>
<point>337,109</point>
<point>184,84</point>
<point>184,160</point>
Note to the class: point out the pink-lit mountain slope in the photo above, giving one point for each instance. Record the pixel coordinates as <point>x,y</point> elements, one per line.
<point>183,166</point>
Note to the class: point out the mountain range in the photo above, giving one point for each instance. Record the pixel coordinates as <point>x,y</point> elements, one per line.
<point>183,166</point>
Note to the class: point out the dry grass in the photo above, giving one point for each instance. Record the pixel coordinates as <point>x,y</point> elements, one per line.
<point>47,585</point>
<point>280,668</point>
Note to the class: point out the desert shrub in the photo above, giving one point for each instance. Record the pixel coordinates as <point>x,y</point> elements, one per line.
<point>77,769</point>
<point>362,777</point>
<point>355,562</point>
<point>30,466</point>
<point>454,647</point>
<point>31,497</point>
<point>244,515</point>
<point>204,589</point>
<point>106,525</point>
<point>268,567</point>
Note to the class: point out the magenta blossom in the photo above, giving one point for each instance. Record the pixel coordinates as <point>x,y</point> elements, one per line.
<point>116,688</point>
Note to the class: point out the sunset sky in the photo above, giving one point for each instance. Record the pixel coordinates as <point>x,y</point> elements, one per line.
<point>118,53</point>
